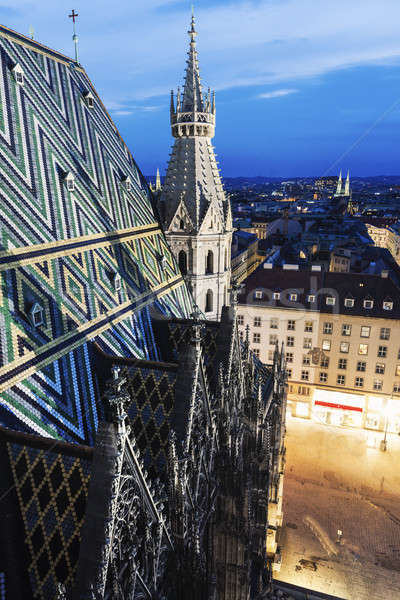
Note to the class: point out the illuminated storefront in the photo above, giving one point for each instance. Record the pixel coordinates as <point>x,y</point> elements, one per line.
<point>338,408</point>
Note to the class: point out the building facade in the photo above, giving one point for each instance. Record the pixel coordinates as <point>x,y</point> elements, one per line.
<point>194,209</point>
<point>340,332</point>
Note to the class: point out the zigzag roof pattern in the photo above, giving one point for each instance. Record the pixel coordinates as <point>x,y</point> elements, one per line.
<point>78,238</point>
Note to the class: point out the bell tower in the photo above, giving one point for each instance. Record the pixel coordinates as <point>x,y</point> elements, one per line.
<point>195,211</point>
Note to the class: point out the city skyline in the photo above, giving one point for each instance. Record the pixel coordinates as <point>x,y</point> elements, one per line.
<point>269,63</point>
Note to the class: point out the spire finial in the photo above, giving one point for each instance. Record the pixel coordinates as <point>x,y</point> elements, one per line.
<point>192,32</point>
<point>75,38</point>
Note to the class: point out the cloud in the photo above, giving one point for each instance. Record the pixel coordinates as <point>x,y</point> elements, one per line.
<point>276,94</point>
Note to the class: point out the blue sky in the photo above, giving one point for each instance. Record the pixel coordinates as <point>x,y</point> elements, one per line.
<point>298,82</point>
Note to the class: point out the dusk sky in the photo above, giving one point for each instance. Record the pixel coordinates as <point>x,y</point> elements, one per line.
<point>298,82</point>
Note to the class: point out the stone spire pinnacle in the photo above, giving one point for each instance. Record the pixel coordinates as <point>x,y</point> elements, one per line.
<point>347,185</point>
<point>192,94</point>
<point>158,181</point>
<point>339,185</point>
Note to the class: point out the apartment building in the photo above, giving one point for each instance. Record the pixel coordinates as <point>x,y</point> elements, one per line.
<point>386,237</point>
<point>341,333</point>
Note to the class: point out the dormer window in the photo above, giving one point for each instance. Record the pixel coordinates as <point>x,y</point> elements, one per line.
<point>349,302</point>
<point>311,298</point>
<point>388,305</point>
<point>293,297</point>
<point>127,183</point>
<point>69,180</point>
<point>117,282</point>
<point>258,295</point>
<point>276,295</point>
<point>18,74</point>
<point>36,315</point>
<point>89,99</point>
<point>368,304</point>
<point>330,301</point>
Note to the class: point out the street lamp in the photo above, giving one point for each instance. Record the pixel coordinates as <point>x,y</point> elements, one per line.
<point>383,444</point>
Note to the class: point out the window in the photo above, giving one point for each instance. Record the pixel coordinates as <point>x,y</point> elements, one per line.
<point>182,260</point>
<point>307,343</point>
<point>311,298</point>
<point>289,357</point>
<point>365,331</point>
<point>341,379</point>
<point>181,224</point>
<point>378,384</point>
<point>323,377</point>
<point>289,373</point>
<point>330,301</point>
<point>303,390</point>
<point>344,347</point>
<point>240,320</point>
<point>18,73</point>
<point>324,362</point>
<point>304,375</point>
<point>359,382</point>
<point>291,325</point>
<point>346,329</point>
<point>210,263</point>
<point>293,297</point>
<point>380,368</point>
<point>258,295</point>
<point>328,328</point>
<point>306,359</point>
<point>326,344</point>
<point>290,340</point>
<point>241,335</point>
<point>396,387</point>
<point>70,182</point>
<point>117,282</point>
<point>385,333</point>
<point>209,301</point>
<point>342,364</point>
<point>368,304</point>
<point>36,315</point>
<point>363,349</point>
<point>271,355</point>
<point>361,366</point>
<point>276,295</point>
<point>308,326</point>
<point>127,183</point>
<point>273,339</point>
<point>349,302</point>
<point>89,99</point>
<point>397,372</point>
<point>256,352</point>
<point>273,323</point>
<point>382,351</point>
<point>388,306</point>
<point>256,338</point>
<point>257,321</point>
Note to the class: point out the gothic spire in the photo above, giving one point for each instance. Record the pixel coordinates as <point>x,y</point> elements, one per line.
<point>192,97</point>
<point>339,185</point>
<point>347,185</point>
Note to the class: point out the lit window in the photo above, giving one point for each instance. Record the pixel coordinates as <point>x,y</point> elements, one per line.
<point>330,301</point>
<point>240,320</point>
<point>324,362</point>
<point>396,387</point>
<point>385,333</point>
<point>308,326</point>
<point>323,377</point>
<point>365,331</point>
<point>388,306</point>
<point>257,321</point>
<point>256,338</point>
<point>363,349</point>
<point>258,295</point>
<point>293,297</point>
<point>378,384</point>
<point>328,328</point>
<point>342,364</point>
<point>380,368</point>
<point>382,351</point>
<point>341,380</point>
<point>346,329</point>
<point>290,341</point>
<point>307,343</point>
<point>273,339</point>
<point>359,382</point>
<point>306,359</point>
<point>274,323</point>
<point>368,304</point>
<point>311,298</point>
<point>361,366</point>
<point>397,370</point>
<point>344,347</point>
<point>289,357</point>
<point>304,375</point>
<point>349,302</point>
<point>291,325</point>
<point>36,315</point>
<point>326,345</point>
<point>276,295</point>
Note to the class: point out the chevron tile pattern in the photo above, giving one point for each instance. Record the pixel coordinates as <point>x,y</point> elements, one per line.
<point>89,253</point>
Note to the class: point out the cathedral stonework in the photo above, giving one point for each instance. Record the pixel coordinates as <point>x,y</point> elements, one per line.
<point>194,208</point>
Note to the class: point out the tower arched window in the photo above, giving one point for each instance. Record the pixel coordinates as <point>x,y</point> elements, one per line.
<point>181,224</point>
<point>210,262</point>
<point>209,301</point>
<point>182,260</point>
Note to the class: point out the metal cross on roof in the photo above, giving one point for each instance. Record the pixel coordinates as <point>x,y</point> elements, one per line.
<point>73,15</point>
